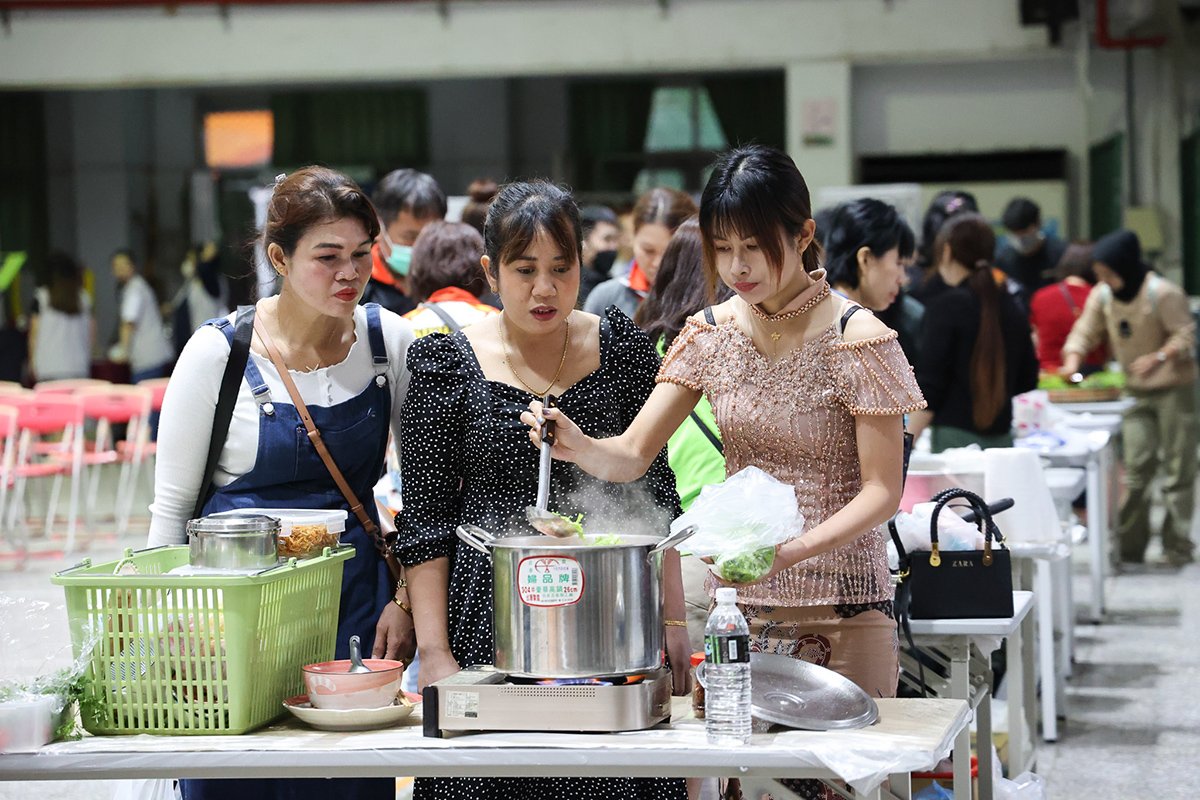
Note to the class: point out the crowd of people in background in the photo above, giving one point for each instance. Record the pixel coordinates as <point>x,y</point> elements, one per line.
<point>978,315</point>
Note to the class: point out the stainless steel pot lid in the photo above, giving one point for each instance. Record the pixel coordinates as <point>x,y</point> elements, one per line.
<point>787,691</point>
<point>234,524</point>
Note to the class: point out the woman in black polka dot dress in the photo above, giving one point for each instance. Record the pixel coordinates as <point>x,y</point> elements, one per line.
<point>466,457</point>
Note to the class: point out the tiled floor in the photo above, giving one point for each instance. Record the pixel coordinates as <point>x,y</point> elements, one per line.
<point>1133,727</point>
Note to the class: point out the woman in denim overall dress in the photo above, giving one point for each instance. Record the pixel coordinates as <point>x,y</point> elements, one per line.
<point>347,362</point>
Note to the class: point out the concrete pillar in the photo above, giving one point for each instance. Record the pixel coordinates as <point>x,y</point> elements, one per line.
<point>818,122</point>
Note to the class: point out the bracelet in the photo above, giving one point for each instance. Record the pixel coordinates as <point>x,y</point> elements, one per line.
<point>405,607</point>
<point>401,583</point>
<point>675,623</point>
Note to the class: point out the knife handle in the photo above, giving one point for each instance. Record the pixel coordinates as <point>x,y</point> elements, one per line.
<point>549,401</point>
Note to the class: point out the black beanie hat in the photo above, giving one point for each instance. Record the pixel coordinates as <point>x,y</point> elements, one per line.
<point>1121,252</point>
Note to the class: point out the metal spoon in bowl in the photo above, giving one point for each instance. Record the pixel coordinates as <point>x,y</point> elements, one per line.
<point>356,662</point>
<point>542,520</point>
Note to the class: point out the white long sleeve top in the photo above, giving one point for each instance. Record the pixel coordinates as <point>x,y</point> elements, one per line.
<point>185,426</point>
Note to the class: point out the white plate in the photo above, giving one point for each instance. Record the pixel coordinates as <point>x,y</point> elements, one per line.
<point>351,719</point>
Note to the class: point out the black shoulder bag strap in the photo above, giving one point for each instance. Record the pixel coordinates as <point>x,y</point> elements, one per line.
<point>708,432</point>
<point>444,316</point>
<point>239,352</point>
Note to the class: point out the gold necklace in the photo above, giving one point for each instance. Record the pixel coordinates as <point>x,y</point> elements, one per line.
<point>799,312</point>
<point>562,361</point>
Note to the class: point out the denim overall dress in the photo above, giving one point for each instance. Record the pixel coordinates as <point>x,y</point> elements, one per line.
<point>288,473</point>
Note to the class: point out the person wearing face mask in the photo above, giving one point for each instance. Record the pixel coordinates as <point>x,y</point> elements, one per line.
<point>1030,254</point>
<point>472,463</point>
<point>1147,323</point>
<point>601,238</point>
<point>656,216</point>
<point>407,201</point>
<point>866,244</point>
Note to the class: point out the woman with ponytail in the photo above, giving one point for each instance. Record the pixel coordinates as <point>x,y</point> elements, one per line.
<point>976,350</point>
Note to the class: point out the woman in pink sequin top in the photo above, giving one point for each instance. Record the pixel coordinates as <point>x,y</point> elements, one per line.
<point>795,394</point>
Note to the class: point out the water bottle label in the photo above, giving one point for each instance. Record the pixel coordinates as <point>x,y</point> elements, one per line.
<point>727,649</point>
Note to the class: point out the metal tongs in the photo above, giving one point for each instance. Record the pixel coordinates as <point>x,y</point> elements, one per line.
<point>543,520</point>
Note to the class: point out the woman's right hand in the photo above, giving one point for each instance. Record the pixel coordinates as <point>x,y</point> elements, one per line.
<point>569,440</point>
<point>435,665</point>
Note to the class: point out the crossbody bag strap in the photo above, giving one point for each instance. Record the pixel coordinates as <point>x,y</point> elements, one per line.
<point>231,380</point>
<point>314,436</point>
<point>708,432</point>
<point>444,316</point>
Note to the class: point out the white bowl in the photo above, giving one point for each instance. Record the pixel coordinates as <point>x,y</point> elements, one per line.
<point>348,719</point>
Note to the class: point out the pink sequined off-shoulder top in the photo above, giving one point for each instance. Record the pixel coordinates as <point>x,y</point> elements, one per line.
<point>794,419</point>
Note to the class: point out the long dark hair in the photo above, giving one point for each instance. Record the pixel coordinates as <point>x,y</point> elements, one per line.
<point>680,288</point>
<point>857,224</point>
<point>756,192</point>
<point>972,244</point>
<point>65,282</point>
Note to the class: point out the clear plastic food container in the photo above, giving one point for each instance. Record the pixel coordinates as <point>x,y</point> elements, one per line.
<point>303,532</point>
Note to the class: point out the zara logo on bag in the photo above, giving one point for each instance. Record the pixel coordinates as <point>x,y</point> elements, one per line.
<point>962,564</point>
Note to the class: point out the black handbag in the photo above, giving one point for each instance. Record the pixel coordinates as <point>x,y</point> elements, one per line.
<point>961,584</point>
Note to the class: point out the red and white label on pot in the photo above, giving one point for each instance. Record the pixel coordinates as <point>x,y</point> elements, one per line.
<point>547,581</point>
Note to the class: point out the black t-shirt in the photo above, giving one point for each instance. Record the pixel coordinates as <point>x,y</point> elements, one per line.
<point>389,297</point>
<point>948,334</point>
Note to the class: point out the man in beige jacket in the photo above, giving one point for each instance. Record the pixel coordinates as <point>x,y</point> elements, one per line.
<point>1149,327</point>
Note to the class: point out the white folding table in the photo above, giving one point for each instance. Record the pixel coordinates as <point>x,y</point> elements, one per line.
<point>970,676</point>
<point>912,735</point>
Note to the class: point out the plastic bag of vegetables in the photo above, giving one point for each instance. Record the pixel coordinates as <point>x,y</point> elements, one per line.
<point>739,523</point>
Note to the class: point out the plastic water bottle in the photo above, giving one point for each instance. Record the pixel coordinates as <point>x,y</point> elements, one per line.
<point>727,673</point>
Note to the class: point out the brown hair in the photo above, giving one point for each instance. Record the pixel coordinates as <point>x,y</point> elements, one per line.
<point>481,193</point>
<point>1076,262</point>
<point>666,207</point>
<point>679,288</point>
<point>524,209</point>
<point>65,282</point>
<point>446,254</point>
<point>972,244</point>
<point>312,196</point>
<point>756,192</point>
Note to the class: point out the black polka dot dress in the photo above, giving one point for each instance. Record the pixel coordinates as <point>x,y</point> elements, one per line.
<point>467,458</point>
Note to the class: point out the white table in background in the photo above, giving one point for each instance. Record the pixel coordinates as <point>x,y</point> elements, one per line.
<point>970,680</point>
<point>1098,458</point>
<point>911,735</point>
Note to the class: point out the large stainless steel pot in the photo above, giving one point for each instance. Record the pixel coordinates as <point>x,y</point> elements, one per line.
<point>566,608</point>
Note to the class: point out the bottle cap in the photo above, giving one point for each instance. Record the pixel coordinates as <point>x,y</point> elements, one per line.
<point>697,659</point>
<point>726,594</point>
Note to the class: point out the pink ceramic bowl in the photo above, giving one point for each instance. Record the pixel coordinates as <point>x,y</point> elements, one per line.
<point>330,684</point>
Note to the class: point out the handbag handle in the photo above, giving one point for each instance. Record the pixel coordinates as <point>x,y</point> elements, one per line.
<point>983,519</point>
<point>314,436</point>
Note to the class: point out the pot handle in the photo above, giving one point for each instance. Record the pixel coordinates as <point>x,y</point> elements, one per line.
<point>672,540</point>
<point>476,537</point>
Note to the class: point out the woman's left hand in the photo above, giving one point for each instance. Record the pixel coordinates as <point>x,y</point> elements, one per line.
<point>395,635</point>
<point>679,651</point>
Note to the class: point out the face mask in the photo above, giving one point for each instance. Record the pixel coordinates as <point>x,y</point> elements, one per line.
<point>401,257</point>
<point>604,261</point>
<point>1026,243</point>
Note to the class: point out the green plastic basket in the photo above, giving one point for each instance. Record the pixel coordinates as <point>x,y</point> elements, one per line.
<point>177,654</point>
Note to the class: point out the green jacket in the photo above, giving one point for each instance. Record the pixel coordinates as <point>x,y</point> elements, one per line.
<point>694,459</point>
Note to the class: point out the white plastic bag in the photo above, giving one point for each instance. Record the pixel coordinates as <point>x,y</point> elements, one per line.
<point>954,533</point>
<point>750,512</point>
<point>1025,786</point>
<point>156,789</point>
